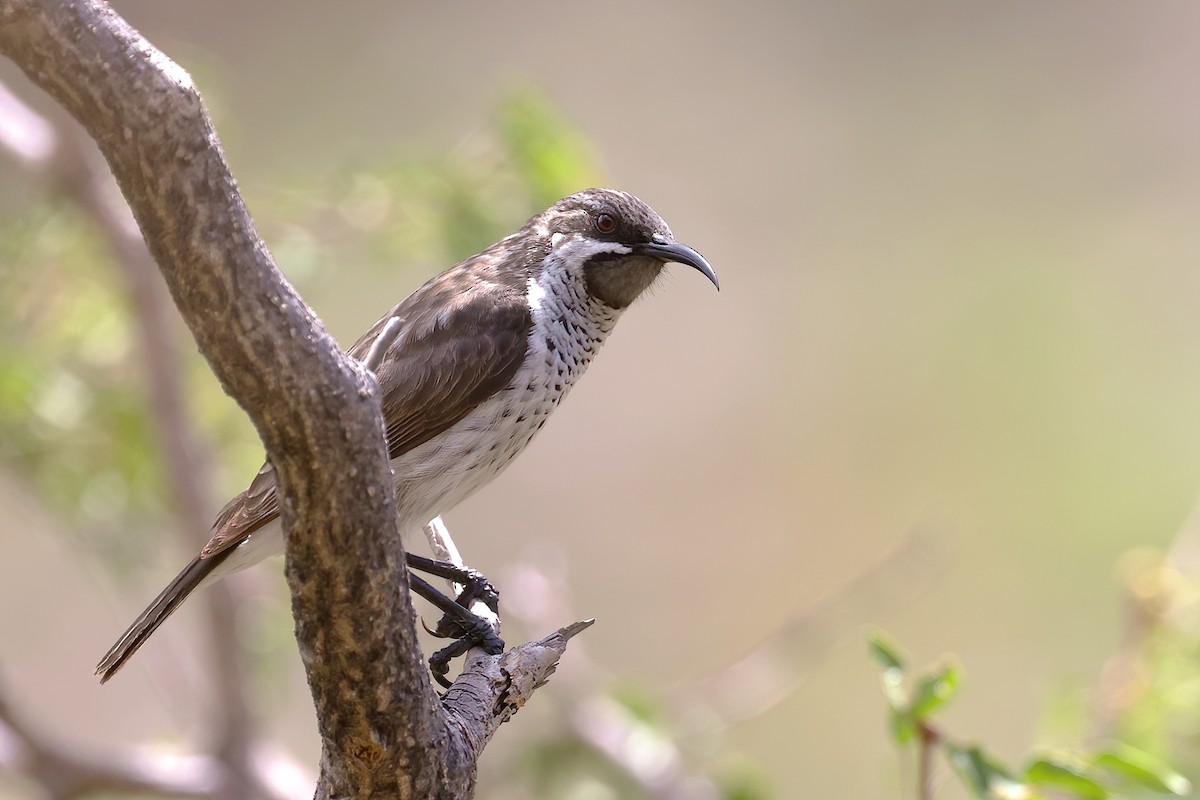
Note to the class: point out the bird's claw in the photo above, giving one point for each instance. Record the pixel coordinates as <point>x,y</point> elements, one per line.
<point>478,633</point>
<point>476,588</point>
<point>458,621</point>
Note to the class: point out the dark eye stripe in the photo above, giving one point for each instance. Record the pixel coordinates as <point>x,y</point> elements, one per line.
<point>601,258</point>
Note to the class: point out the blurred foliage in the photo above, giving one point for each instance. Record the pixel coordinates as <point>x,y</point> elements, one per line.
<point>1152,686</point>
<point>429,209</point>
<point>73,414</point>
<point>1114,768</point>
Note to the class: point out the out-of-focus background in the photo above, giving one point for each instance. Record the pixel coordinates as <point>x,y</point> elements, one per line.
<point>960,266</point>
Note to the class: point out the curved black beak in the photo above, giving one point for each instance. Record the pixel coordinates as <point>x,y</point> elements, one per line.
<point>680,254</point>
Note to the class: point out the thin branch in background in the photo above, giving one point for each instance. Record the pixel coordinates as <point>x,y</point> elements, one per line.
<point>652,758</point>
<point>645,755</point>
<point>65,770</point>
<point>78,175</point>
<point>782,661</point>
<point>187,461</point>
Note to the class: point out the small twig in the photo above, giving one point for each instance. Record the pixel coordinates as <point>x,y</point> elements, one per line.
<point>928,739</point>
<point>443,548</point>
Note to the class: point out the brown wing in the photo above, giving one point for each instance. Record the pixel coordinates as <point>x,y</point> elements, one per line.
<point>450,362</point>
<point>464,337</point>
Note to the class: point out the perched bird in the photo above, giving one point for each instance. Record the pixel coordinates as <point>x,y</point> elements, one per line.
<point>488,349</point>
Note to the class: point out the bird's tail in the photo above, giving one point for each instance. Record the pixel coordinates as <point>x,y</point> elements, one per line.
<point>156,613</point>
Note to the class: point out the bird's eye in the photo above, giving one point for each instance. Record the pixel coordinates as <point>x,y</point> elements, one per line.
<point>605,223</point>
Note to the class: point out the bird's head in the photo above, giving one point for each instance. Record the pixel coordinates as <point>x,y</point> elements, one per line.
<point>618,243</point>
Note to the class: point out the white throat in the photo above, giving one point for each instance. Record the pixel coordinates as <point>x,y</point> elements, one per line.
<point>567,321</point>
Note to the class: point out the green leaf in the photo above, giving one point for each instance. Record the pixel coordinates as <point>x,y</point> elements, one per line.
<point>1070,778</point>
<point>1142,769</point>
<point>935,691</point>
<point>893,690</point>
<point>985,776</point>
<point>885,653</point>
<point>887,656</point>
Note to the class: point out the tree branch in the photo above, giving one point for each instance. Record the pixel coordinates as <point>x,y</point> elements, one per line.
<point>383,731</point>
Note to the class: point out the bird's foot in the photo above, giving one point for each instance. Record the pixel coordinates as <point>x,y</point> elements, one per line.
<point>476,588</point>
<point>458,622</point>
<point>480,634</point>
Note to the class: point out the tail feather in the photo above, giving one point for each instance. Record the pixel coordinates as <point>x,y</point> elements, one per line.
<point>156,613</point>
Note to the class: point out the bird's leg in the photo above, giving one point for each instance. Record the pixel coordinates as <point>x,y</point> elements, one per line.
<point>472,629</point>
<point>473,591</point>
<point>473,586</point>
<point>468,585</point>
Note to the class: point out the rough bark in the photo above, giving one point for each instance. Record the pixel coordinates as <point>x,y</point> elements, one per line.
<point>383,730</point>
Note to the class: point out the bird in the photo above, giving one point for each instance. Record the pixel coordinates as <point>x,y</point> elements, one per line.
<point>486,351</point>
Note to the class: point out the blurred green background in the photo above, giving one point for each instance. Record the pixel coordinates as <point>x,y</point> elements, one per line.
<point>959,252</point>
